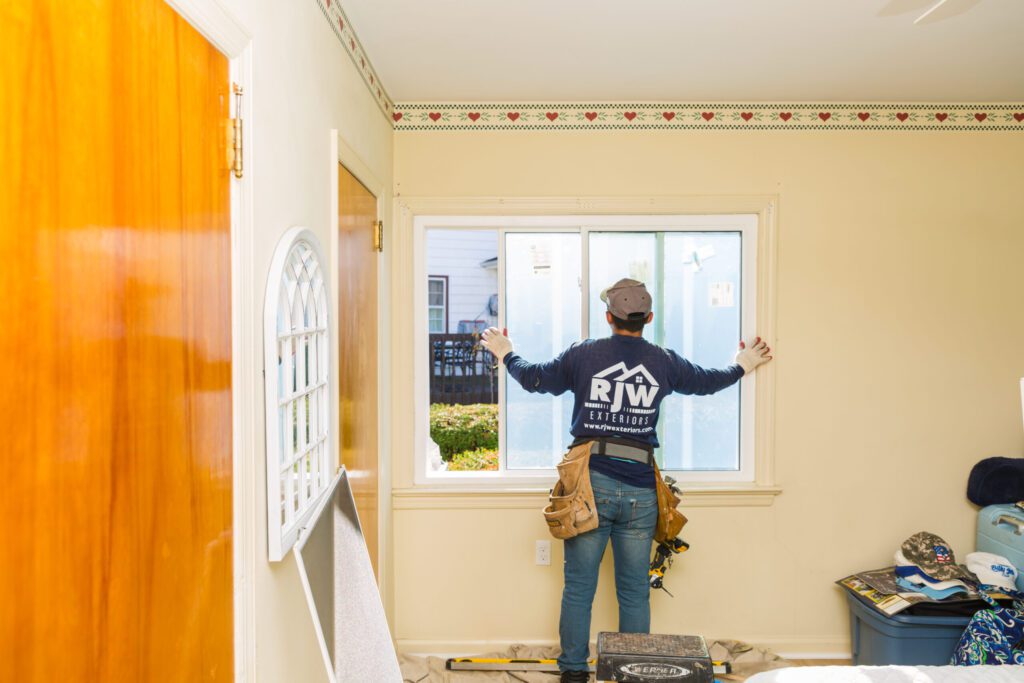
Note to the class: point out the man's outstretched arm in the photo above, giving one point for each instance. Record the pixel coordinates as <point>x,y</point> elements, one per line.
<point>689,378</point>
<point>552,377</point>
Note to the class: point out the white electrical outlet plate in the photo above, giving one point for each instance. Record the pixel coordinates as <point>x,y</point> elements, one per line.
<point>543,552</point>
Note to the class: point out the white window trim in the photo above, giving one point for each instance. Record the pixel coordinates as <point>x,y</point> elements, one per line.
<point>281,537</point>
<point>420,214</point>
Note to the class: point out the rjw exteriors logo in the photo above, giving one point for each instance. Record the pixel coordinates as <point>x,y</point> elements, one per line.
<point>637,386</point>
<point>640,671</point>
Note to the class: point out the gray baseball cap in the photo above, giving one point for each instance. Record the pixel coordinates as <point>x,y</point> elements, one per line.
<point>627,299</point>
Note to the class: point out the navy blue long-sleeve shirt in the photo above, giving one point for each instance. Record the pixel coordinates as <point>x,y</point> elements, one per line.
<point>618,384</point>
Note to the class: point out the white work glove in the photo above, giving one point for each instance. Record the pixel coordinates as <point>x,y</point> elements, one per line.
<point>756,354</point>
<point>497,343</point>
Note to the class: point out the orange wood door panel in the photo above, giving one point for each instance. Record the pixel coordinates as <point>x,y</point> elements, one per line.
<point>357,349</point>
<point>116,359</point>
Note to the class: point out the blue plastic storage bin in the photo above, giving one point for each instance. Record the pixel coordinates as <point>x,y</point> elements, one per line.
<point>901,639</point>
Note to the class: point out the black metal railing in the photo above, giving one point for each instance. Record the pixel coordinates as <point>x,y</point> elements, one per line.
<point>461,370</point>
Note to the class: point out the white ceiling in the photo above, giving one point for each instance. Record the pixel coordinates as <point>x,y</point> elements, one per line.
<point>692,51</point>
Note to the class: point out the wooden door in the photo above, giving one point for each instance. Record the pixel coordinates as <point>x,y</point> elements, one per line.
<point>115,358</point>
<point>357,349</point>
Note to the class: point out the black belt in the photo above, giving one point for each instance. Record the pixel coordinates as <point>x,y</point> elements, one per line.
<point>620,448</point>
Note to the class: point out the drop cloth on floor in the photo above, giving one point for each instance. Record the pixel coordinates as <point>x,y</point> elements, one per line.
<point>746,660</point>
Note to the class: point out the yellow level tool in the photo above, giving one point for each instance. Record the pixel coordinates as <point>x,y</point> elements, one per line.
<point>523,664</point>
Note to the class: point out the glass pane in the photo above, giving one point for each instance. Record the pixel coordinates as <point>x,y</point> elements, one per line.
<point>463,430</point>
<point>542,313</point>
<point>694,280</point>
<point>435,295</point>
<point>436,316</point>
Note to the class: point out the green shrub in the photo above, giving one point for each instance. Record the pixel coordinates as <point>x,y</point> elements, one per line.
<point>480,459</point>
<point>457,429</point>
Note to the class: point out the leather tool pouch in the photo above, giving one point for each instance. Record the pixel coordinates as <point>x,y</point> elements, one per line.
<point>670,519</point>
<point>571,509</point>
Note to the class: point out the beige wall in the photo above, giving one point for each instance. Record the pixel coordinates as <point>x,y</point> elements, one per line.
<point>900,313</point>
<point>304,86</point>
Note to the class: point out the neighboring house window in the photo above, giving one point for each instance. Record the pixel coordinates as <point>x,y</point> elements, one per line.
<point>297,364</point>
<point>437,303</point>
<point>701,271</point>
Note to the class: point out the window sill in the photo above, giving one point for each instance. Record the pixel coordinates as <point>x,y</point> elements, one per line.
<point>533,497</point>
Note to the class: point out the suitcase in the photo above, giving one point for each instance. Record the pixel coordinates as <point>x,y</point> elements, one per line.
<point>1001,531</point>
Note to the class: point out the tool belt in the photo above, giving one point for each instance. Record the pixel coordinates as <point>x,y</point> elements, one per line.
<point>670,519</point>
<point>571,509</point>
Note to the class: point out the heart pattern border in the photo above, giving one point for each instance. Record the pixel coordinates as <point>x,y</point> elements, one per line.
<point>683,116</point>
<point>342,29</point>
<point>697,116</point>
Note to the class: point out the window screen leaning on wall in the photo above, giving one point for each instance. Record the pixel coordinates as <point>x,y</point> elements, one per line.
<point>297,379</point>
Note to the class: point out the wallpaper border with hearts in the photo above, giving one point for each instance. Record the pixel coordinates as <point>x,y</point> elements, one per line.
<point>342,27</point>
<point>696,116</point>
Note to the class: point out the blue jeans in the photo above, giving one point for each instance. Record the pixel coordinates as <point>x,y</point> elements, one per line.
<point>628,516</point>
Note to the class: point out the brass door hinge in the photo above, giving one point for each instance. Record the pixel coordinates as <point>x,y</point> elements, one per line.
<point>378,236</point>
<point>235,134</point>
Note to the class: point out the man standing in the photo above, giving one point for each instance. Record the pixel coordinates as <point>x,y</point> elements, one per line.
<point>618,384</point>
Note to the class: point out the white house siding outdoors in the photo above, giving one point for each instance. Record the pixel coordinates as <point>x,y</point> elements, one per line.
<point>458,254</point>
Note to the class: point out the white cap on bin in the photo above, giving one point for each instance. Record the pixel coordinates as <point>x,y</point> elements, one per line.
<point>993,570</point>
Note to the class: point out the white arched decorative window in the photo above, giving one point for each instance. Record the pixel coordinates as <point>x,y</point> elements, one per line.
<point>300,459</point>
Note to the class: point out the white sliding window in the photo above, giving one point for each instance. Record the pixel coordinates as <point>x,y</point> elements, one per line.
<point>701,271</point>
<point>694,279</point>
<point>542,314</point>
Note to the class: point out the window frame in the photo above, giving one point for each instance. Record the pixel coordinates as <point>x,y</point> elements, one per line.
<point>602,214</point>
<point>444,307</point>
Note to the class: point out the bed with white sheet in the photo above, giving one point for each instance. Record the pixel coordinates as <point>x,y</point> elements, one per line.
<point>892,674</point>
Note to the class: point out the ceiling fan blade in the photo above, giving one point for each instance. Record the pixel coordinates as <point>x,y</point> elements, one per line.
<point>924,16</point>
<point>946,9</point>
<point>897,7</point>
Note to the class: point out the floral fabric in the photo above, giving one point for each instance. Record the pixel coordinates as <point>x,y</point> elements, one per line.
<point>993,636</point>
